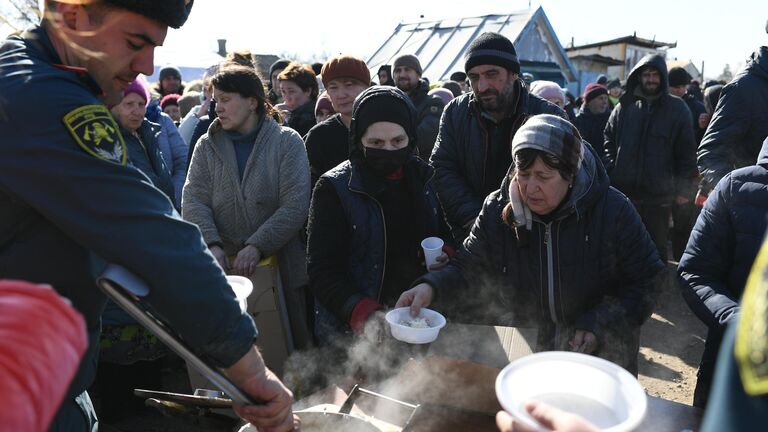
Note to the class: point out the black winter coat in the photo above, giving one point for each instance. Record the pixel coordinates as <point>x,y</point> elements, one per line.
<point>696,108</point>
<point>428,112</point>
<point>327,146</point>
<point>591,127</point>
<point>740,122</point>
<point>461,153</point>
<point>650,152</point>
<point>592,267</point>
<point>347,245</point>
<point>722,248</point>
<point>303,118</point>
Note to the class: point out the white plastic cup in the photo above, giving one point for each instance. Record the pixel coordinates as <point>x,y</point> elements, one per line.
<point>243,287</point>
<point>433,248</point>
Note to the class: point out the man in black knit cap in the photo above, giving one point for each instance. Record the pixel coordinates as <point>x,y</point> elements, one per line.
<point>407,72</point>
<point>472,152</point>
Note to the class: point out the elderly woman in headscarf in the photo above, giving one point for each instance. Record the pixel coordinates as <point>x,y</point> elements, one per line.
<point>556,248</point>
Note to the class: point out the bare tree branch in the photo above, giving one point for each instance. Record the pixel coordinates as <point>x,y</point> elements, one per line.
<point>27,12</point>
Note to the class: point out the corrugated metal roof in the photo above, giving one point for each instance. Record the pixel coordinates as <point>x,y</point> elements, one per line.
<point>440,45</point>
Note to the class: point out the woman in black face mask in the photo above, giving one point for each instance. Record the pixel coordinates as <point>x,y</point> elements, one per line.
<point>369,215</point>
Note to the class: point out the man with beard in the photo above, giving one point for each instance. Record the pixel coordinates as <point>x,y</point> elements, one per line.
<point>169,82</point>
<point>407,75</point>
<point>472,152</point>
<point>650,153</point>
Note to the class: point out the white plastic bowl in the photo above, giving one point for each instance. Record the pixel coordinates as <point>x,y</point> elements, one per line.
<point>603,393</point>
<point>414,335</point>
<point>243,287</point>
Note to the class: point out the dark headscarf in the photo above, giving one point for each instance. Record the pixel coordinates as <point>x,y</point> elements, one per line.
<point>388,69</point>
<point>378,104</point>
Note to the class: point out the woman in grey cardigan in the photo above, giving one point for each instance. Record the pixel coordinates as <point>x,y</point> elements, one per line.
<point>248,188</point>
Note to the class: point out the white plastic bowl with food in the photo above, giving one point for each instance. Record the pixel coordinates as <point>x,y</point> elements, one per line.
<point>415,330</point>
<point>599,391</point>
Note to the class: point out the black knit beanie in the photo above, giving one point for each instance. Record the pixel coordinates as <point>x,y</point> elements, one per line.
<point>384,108</point>
<point>678,76</point>
<point>381,104</point>
<point>492,49</point>
<point>173,13</point>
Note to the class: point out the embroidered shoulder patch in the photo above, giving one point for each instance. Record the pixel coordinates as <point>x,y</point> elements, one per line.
<point>751,347</point>
<point>94,129</point>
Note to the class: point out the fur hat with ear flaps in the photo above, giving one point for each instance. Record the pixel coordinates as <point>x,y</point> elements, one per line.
<point>173,13</point>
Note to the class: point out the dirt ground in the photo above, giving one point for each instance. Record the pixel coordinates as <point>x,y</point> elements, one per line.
<point>671,345</point>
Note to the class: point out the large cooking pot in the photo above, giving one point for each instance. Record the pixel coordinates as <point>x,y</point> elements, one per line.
<point>317,420</point>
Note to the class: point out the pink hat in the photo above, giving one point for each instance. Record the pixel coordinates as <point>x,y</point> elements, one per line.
<point>324,102</point>
<point>548,90</point>
<point>138,86</point>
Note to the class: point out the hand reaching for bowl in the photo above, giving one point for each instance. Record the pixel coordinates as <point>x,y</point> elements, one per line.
<point>548,416</point>
<point>417,297</point>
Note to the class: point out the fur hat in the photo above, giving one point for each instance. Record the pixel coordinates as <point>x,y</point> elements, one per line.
<point>173,13</point>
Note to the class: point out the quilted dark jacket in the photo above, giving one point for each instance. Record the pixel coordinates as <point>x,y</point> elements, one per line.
<point>591,127</point>
<point>650,153</point>
<point>722,247</point>
<point>740,122</point>
<point>591,267</point>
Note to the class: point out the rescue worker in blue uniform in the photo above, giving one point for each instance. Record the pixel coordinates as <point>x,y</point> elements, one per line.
<point>69,202</point>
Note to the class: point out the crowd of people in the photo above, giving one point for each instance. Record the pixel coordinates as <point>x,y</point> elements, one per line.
<point>556,212</point>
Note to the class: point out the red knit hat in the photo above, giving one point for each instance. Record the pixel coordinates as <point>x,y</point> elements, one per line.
<point>594,90</point>
<point>345,67</point>
<point>324,103</point>
<point>171,99</point>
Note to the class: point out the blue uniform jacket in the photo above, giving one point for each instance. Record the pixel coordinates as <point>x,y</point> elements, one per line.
<point>61,206</point>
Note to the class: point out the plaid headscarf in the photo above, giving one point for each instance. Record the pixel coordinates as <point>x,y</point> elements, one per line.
<point>550,134</point>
